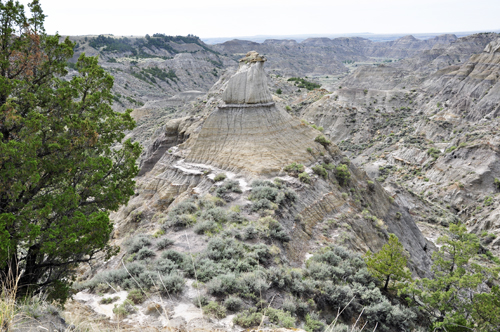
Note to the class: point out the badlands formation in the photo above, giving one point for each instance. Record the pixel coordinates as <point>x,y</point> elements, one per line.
<point>250,138</point>
<point>258,204</point>
<point>416,130</point>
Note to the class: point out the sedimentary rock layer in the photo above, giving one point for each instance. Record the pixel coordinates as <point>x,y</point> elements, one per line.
<point>256,139</point>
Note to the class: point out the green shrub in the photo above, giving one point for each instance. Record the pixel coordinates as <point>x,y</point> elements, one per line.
<point>223,285</point>
<point>233,303</point>
<point>317,128</point>
<point>136,243</point>
<point>220,177</point>
<point>280,317</point>
<point>294,169</point>
<point>250,233</point>
<point>304,177</point>
<point>200,301</point>
<point>144,253</point>
<point>159,233</point>
<point>248,318</point>
<point>109,300</point>
<point>278,91</point>
<point>216,214</point>
<point>277,231</point>
<point>124,309</point>
<point>235,217</point>
<point>302,308</point>
<point>174,256</point>
<point>228,187</point>
<point>205,226</point>
<point>288,108</point>
<point>219,248</point>
<point>451,149</point>
<point>119,277</point>
<point>136,296</point>
<point>180,221</point>
<point>165,266</point>
<point>185,207</point>
<point>172,283</point>
<point>262,204</point>
<point>213,309</point>
<point>322,140</point>
<point>496,182</point>
<point>289,305</point>
<point>164,243</point>
<point>328,167</point>
<point>313,324</point>
<point>302,83</point>
<point>434,153</point>
<point>320,170</point>
<point>342,174</point>
<point>263,192</point>
<point>266,193</point>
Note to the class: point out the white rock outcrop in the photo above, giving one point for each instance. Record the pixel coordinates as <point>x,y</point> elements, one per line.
<point>249,84</point>
<point>493,47</point>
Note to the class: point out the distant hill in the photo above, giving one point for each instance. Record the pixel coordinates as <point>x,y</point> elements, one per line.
<point>371,36</point>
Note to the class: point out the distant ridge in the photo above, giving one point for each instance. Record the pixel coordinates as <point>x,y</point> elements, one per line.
<point>371,36</point>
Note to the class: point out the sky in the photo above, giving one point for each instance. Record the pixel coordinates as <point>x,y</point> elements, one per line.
<point>232,18</point>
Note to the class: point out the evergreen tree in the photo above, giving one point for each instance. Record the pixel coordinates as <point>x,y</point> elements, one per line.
<point>458,297</point>
<point>63,161</point>
<point>389,263</point>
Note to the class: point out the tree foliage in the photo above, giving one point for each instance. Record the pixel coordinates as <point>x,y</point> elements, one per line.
<point>389,263</point>
<point>63,161</point>
<point>458,297</point>
<point>342,174</point>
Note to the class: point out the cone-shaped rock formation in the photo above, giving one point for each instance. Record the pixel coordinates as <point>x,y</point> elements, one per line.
<point>249,133</point>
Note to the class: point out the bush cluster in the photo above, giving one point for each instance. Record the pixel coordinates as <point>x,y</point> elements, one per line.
<point>240,274</point>
<point>322,140</point>
<point>220,177</point>
<point>267,195</point>
<point>294,169</point>
<point>320,170</point>
<point>228,187</point>
<point>182,215</point>
<point>342,174</point>
<point>305,177</point>
<point>302,83</point>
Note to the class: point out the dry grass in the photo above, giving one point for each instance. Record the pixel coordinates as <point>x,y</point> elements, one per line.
<point>8,307</point>
<point>86,320</point>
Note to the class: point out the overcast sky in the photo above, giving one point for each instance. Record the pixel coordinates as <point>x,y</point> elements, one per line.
<point>228,18</point>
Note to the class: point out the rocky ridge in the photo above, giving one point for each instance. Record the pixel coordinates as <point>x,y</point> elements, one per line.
<point>435,134</point>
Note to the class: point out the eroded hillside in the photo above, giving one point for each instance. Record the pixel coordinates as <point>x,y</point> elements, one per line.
<point>258,194</point>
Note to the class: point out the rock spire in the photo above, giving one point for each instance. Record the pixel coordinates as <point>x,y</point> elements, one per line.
<point>249,84</point>
<point>249,133</point>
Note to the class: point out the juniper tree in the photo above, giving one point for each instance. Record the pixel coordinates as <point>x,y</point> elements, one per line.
<point>63,159</point>
<point>389,263</point>
<point>462,294</point>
